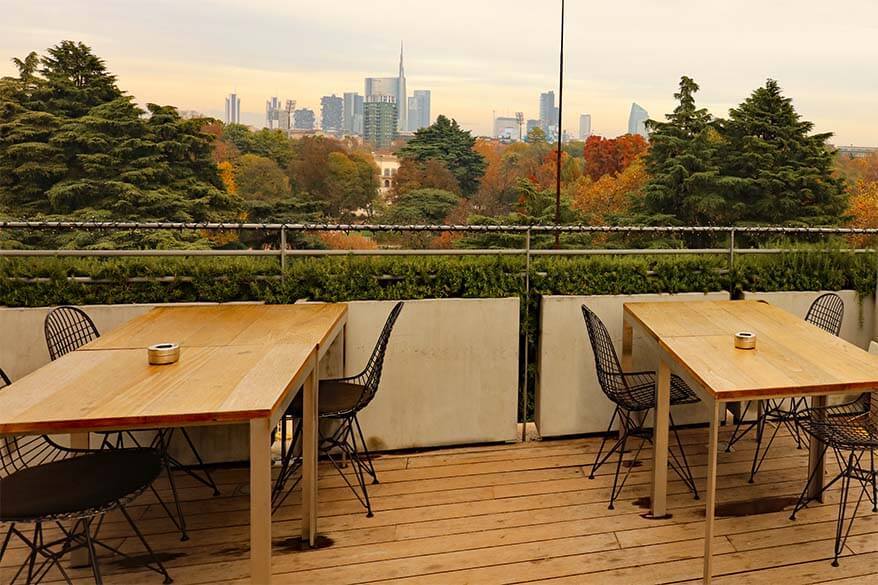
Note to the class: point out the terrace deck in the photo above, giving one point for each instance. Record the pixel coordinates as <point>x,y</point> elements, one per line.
<point>522,513</point>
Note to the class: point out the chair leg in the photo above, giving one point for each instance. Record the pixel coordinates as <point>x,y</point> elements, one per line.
<point>597,458</point>
<point>288,467</point>
<point>343,439</point>
<point>685,471</point>
<point>93,557</point>
<point>614,493</point>
<point>739,434</point>
<point>208,478</point>
<point>160,567</point>
<point>803,498</point>
<point>370,465</point>
<point>180,521</point>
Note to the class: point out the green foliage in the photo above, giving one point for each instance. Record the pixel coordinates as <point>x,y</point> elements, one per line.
<point>422,206</point>
<point>782,174</point>
<point>762,165</point>
<point>260,179</point>
<point>446,141</point>
<point>73,146</point>
<point>272,144</point>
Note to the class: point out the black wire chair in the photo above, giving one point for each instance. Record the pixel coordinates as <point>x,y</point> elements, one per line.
<point>827,313</point>
<point>68,328</point>
<point>851,431</point>
<point>634,394</point>
<point>43,483</point>
<point>340,400</point>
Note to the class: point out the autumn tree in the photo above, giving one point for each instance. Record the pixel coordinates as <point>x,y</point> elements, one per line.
<point>610,156</point>
<point>260,179</point>
<point>604,201</point>
<point>446,141</point>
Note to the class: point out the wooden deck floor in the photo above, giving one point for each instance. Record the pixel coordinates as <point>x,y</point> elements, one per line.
<point>523,513</point>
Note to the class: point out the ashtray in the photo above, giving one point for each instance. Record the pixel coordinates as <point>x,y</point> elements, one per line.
<point>162,354</point>
<point>745,340</point>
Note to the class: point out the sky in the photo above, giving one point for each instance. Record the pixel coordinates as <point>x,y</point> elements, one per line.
<point>480,58</point>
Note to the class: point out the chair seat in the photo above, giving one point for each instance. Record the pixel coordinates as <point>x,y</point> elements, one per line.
<point>67,488</point>
<point>641,390</point>
<point>337,397</point>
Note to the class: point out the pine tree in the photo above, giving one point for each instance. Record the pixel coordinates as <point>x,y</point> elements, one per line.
<point>684,185</point>
<point>446,141</point>
<point>779,171</point>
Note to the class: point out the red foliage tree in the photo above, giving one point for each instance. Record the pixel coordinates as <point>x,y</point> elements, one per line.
<point>611,156</point>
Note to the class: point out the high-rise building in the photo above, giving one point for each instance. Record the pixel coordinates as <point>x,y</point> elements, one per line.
<point>506,129</point>
<point>273,114</point>
<point>419,110</point>
<point>584,126</point>
<point>531,124</point>
<point>331,113</point>
<point>637,121</point>
<point>303,119</point>
<point>548,113</point>
<point>233,109</point>
<point>352,118</point>
<point>376,87</point>
<point>379,121</point>
<point>285,122</point>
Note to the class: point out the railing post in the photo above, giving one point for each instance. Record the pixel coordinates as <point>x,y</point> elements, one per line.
<point>731,249</point>
<point>283,253</point>
<point>524,373</point>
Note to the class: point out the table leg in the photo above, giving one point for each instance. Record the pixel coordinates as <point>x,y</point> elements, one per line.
<point>815,465</point>
<point>260,501</point>
<point>309,459</point>
<point>659,501</point>
<point>710,489</point>
<point>79,557</point>
<point>627,346</point>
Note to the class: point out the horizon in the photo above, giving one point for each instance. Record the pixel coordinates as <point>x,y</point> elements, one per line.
<point>491,61</point>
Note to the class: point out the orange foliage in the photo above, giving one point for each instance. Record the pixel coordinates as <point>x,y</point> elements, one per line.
<point>854,169</point>
<point>864,209</point>
<point>611,194</point>
<point>610,156</point>
<point>345,241</point>
<point>227,175</point>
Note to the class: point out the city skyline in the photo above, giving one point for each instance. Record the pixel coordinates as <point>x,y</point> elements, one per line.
<point>612,59</point>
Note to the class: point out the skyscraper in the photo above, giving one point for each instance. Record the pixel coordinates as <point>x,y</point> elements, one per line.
<point>548,113</point>
<point>419,110</point>
<point>377,87</point>
<point>506,129</point>
<point>637,121</point>
<point>584,126</point>
<point>303,119</point>
<point>233,109</point>
<point>379,121</point>
<point>331,113</point>
<point>273,114</point>
<point>352,118</point>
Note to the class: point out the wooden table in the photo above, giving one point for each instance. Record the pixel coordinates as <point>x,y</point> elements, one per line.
<point>239,363</point>
<point>792,358</point>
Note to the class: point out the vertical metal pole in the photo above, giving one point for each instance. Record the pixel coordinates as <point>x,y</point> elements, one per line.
<point>524,386</point>
<point>731,249</point>
<point>560,134</point>
<point>283,253</point>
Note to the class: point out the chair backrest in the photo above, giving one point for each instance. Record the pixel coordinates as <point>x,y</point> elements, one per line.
<point>370,377</point>
<point>609,370</point>
<point>827,312</point>
<point>21,452</point>
<point>68,328</point>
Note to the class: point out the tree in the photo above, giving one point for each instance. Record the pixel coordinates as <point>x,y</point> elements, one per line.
<point>72,144</point>
<point>611,156</point>
<point>423,206</point>
<point>430,174</point>
<point>684,184</point>
<point>446,141</point>
<point>260,179</point>
<point>780,172</point>
<point>273,144</point>
<point>603,201</point>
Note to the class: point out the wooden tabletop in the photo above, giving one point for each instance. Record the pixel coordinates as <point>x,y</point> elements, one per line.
<point>792,357</point>
<point>237,363</point>
<point>224,325</point>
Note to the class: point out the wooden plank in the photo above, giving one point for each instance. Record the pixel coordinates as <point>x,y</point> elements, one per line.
<point>224,325</point>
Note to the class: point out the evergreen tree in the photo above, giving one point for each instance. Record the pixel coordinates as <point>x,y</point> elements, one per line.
<point>684,186</point>
<point>779,172</point>
<point>73,145</point>
<point>446,141</point>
